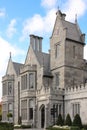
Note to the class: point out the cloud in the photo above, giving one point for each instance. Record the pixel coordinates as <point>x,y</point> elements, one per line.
<point>11,30</point>
<point>2,12</point>
<point>43,25</point>
<point>5,49</point>
<point>73,7</point>
<point>49,3</point>
<point>39,25</point>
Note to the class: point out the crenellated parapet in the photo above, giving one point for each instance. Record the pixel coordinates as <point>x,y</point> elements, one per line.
<point>76,88</point>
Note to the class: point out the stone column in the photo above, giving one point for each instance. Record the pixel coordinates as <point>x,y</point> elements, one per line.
<point>27,110</point>
<point>34,117</point>
<point>46,115</point>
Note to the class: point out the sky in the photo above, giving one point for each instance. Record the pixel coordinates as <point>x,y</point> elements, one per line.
<point>20,18</point>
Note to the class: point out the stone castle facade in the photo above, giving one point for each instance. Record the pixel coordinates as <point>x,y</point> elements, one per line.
<point>48,84</point>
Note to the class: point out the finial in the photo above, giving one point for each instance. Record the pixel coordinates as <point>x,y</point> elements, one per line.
<point>76,18</point>
<point>10,55</point>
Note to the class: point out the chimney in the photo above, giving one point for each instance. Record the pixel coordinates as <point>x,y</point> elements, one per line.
<point>36,43</point>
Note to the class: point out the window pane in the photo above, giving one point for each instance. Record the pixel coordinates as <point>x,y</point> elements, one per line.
<point>9,88</point>
<point>31,80</point>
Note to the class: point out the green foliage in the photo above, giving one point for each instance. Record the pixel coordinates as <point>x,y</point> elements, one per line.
<point>68,120</point>
<point>9,115</point>
<point>25,126</point>
<point>51,128</point>
<point>0,117</point>
<point>60,120</point>
<point>85,127</point>
<point>74,128</point>
<point>77,121</point>
<point>6,126</point>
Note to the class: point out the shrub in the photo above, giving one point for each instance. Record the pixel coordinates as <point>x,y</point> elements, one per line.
<point>57,128</point>
<point>85,127</point>
<point>25,126</point>
<point>0,117</point>
<point>60,120</point>
<point>6,126</point>
<point>74,128</point>
<point>77,121</point>
<point>68,120</point>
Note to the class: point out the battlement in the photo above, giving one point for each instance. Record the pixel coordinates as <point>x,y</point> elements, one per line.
<point>76,88</point>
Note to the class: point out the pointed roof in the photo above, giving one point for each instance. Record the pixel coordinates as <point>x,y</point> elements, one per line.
<point>13,67</point>
<point>17,67</point>
<point>73,31</point>
<point>44,60</point>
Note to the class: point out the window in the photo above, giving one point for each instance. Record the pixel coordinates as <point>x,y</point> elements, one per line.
<point>9,88</point>
<point>31,105</point>
<point>56,109</point>
<point>56,80</point>
<point>31,80</point>
<point>24,82</point>
<point>75,109</point>
<point>4,112</point>
<point>4,89</point>
<point>10,110</point>
<point>10,107</point>
<point>24,109</point>
<point>57,50</point>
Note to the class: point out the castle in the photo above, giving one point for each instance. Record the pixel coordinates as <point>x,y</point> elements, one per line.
<point>48,84</point>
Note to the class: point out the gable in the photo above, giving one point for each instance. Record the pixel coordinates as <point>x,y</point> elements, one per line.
<point>10,68</point>
<point>31,57</point>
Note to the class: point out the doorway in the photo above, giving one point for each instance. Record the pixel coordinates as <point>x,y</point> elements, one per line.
<point>42,116</point>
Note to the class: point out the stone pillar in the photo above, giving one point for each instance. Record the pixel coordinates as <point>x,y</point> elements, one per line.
<point>28,110</point>
<point>46,116</point>
<point>34,117</point>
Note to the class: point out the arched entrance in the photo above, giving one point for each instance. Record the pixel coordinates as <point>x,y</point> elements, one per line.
<point>42,116</point>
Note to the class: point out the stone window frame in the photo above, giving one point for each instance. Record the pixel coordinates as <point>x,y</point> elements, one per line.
<point>24,109</point>
<point>57,49</point>
<point>10,88</point>
<point>4,112</point>
<point>75,108</point>
<point>4,89</point>
<point>31,106</point>
<point>24,82</point>
<point>31,80</point>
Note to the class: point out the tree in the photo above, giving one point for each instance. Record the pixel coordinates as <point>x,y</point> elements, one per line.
<point>60,120</point>
<point>0,117</point>
<point>68,120</point>
<point>9,115</point>
<point>77,121</point>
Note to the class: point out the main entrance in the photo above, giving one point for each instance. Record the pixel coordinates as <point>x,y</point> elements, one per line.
<point>42,116</point>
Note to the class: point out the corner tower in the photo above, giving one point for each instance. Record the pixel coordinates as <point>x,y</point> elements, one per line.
<point>67,46</point>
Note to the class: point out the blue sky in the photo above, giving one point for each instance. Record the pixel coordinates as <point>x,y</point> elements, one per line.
<point>20,18</point>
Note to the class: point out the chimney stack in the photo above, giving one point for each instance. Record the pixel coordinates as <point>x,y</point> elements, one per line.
<point>36,42</point>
